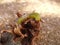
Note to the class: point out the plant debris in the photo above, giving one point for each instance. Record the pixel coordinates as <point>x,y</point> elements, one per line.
<point>26,28</point>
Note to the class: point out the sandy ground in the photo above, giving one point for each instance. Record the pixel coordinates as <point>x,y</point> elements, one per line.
<point>50,28</point>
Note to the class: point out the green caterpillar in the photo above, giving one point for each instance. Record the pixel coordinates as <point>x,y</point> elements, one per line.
<point>33,15</point>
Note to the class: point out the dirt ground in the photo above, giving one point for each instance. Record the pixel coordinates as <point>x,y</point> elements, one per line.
<point>50,28</point>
